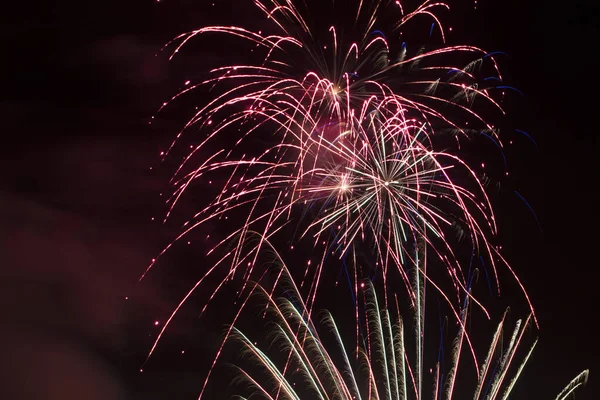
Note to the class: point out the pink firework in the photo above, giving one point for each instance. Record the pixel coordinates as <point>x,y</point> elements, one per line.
<point>334,140</point>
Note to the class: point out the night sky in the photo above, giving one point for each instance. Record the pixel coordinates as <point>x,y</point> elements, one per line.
<point>81,80</point>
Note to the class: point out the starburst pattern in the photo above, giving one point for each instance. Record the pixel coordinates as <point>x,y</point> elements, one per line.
<point>332,140</point>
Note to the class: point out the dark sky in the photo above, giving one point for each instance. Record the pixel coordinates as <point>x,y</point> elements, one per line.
<point>80,81</point>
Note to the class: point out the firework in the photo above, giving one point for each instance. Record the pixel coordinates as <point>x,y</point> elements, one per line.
<point>385,366</point>
<point>350,163</point>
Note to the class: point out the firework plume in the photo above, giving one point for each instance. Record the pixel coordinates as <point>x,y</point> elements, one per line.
<point>389,363</point>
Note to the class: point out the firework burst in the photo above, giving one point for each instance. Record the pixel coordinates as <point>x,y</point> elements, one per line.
<point>350,163</point>
<point>386,365</point>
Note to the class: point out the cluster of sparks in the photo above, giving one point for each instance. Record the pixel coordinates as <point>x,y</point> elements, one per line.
<point>351,163</point>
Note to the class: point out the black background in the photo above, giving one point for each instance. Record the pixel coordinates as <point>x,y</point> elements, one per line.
<point>80,81</point>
